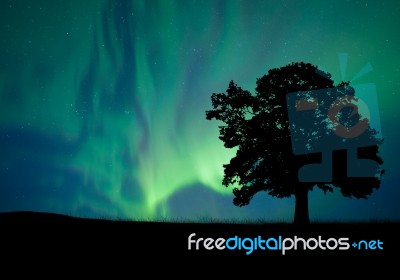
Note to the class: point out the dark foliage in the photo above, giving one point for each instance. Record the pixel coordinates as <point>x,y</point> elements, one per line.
<point>257,125</point>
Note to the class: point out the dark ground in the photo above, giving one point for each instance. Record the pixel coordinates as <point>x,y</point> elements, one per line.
<point>30,236</point>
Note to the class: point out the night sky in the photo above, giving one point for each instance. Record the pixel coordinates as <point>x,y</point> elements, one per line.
<point>102,103</point>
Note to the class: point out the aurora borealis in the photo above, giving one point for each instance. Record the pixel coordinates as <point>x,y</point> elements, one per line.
<point>102,110</point>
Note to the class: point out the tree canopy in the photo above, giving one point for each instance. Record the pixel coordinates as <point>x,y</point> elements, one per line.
<point>258,126</point>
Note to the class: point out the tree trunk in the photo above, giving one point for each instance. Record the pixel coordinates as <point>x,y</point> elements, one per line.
<point>301,209</point>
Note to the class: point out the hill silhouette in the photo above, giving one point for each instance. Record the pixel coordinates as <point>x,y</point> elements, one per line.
<point>25,234</point>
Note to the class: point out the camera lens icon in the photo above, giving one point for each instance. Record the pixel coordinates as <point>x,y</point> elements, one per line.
<point>359,108</point>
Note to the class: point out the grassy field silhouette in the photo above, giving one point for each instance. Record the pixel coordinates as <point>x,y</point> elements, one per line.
<point>27,233</point>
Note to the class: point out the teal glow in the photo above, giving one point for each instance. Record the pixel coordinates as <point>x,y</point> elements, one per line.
<point>102,102</point>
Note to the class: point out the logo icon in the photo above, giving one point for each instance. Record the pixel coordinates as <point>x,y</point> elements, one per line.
<point>338,118</point>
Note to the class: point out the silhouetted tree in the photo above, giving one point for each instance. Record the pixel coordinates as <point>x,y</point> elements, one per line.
<point>258,126</point>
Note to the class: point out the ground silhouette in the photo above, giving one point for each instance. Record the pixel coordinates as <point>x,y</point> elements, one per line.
<point>48,238</point>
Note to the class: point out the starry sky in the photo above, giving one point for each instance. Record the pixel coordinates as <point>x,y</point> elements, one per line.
<point>102,102</point>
